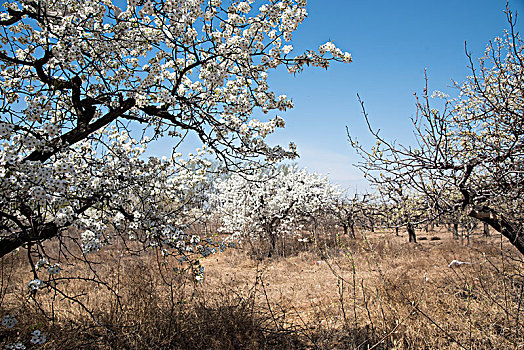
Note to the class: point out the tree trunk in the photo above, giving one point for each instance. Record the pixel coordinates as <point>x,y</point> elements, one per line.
<point>411,233</point>
<point>455,230</point>
<point>273,243</point>
<point>486,229</point>
<point>396,230</point>
<point>352,230</point>
<point>282,246</point>
<point>351,226</point>
<point>42,233</point>
<point>500,224</point>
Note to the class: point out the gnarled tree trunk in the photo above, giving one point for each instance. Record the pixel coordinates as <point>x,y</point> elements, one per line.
<point>500,224</point>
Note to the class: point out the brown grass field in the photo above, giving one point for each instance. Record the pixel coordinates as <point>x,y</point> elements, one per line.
<point>373,292</point>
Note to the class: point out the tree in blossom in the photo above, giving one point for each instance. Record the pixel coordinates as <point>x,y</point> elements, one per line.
<point>86,85</point>
<point>468,155</point>
<point>272,203</point>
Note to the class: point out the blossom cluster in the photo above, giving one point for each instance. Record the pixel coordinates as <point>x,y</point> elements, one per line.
<point>79,77</point>
<point>132,194</point>
<point>37,337</point>
<point>272,202</point>
<point>202,56</point>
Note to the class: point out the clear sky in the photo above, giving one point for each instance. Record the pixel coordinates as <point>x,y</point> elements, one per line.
<point>391,42</point>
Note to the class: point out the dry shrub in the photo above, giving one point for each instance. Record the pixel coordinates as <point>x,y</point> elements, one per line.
<point>143,306</point>
<point>376,291</point>
<point>401,295</point>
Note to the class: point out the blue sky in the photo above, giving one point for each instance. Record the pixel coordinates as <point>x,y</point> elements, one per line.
<point>391,42</point>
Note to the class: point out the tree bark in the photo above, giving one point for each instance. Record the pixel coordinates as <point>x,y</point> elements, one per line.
<point>411,233</point>
<point>10,243</point>
<point>273,243</point>
<point>500,224</point>
<point>351,226</point>
<point>455,230</point>
<point>486,229</point>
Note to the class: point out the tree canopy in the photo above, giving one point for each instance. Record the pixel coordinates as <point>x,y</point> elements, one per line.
<point>468,156</point>
<point>86,85</point>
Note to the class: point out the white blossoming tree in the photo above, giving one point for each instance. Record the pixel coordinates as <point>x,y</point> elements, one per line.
<point>469,156</point>
<point>79,78</point>
<point>272,203</point>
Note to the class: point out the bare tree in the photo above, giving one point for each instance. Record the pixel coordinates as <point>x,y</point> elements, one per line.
<point>468,155</point>
<point>349,212</point>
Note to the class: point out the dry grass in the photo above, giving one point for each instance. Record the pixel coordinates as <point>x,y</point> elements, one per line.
<point>376,291</point>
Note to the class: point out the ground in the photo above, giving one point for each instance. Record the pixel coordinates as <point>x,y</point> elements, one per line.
<point>375,291</point>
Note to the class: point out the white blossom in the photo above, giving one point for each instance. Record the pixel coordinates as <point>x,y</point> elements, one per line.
<point>271,202</point>
<point>38,338</point>
<point>80,79</point>
<point>35,284</point>
<point>9,321</point>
